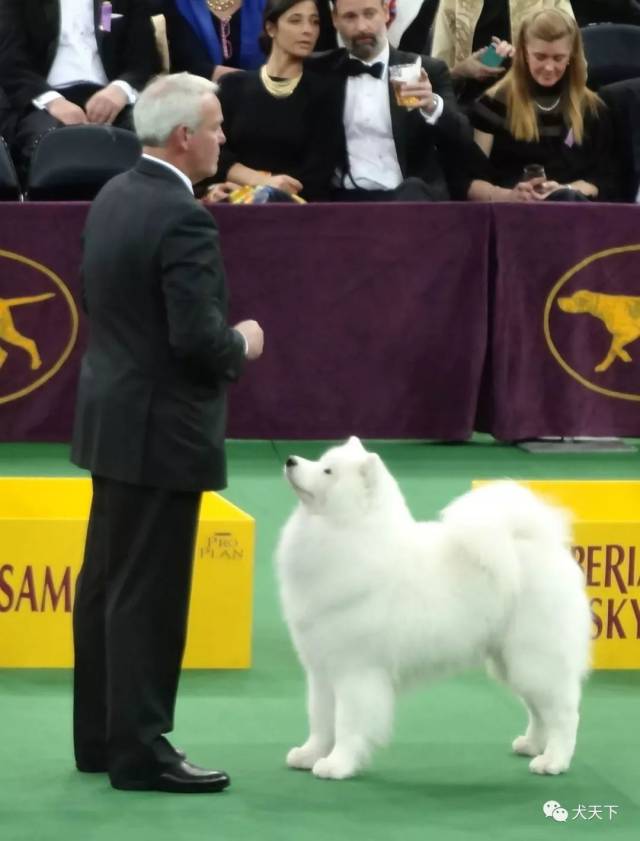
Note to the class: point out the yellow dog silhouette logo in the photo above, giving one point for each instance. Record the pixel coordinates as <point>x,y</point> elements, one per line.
<point>11,336</point>
<point>619,313</point>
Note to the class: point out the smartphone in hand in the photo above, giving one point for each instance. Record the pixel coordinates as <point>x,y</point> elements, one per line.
<point>490,57</point>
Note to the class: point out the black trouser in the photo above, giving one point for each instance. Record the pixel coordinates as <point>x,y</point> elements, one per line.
<point>34,123</point>
<point>409,190</point>
<point>129,625</point>
<point>567,194</point>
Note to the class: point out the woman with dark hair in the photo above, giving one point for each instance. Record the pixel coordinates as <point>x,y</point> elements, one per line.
<point>212,37</point>
<point>543,114</point>
<point>278,119</point>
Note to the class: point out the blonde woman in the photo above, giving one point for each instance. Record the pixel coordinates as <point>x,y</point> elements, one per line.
<point>465,29</point>
<point>541,113</point>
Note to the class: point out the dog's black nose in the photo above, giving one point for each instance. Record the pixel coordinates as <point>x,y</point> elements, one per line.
<point>291,462</point>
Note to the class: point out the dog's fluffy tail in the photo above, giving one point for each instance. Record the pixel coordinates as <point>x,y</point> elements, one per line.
<point>491,522</point>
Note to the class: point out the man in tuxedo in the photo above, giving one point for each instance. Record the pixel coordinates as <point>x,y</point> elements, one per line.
<point>66,62</point>
<point>387,152</point>
<point>149,425</point>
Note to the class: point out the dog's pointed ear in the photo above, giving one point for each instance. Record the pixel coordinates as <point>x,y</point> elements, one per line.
<point>355,442</point>
<point>369,467</point>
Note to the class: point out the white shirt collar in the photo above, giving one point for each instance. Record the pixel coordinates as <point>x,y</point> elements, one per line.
<point>382,57</point>
<point>173,168</point>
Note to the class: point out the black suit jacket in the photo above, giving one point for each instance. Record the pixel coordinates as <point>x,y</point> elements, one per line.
<point>623,101</point>
<point>437,153</point>
<point>151,405</point>
<point>29,31</point>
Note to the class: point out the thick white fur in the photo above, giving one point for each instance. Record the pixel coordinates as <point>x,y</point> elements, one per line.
<point>375,601</point>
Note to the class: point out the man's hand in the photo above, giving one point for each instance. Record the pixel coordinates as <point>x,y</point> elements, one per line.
<point>68,113</point>
<point>252,332</point>
<point>421,93</point>
<point>105,105</point>
<point>473,68</point>
<point>529,190</point>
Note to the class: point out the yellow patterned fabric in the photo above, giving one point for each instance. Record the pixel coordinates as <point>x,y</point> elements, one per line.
<point>456,22</point>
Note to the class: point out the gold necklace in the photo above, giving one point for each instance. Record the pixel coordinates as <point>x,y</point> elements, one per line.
<point>219,6</point>
<point>278,87</point>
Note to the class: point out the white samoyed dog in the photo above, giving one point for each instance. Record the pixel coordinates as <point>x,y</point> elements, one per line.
<point>375,601</point>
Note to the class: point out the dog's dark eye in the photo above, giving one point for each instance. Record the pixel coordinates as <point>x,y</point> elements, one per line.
<point>328,470</point>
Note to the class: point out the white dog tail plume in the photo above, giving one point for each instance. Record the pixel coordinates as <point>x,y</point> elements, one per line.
<point>489,522</point>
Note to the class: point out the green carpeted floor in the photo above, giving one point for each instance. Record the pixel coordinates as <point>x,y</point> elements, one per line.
<point>448,773</point>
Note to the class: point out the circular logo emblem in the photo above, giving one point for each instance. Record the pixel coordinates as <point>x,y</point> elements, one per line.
<point>38,325</point>
<point>592,320</point>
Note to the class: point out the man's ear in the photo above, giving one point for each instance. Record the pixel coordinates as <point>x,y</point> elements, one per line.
<point>180,136</point>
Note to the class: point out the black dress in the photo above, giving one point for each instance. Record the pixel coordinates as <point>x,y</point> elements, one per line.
<point>285,136</point>
<point>563,159</point>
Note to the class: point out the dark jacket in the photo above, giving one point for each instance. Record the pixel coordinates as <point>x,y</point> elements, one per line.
<point>29,32</point>
<point>434,153</point>
<point>151,405</point>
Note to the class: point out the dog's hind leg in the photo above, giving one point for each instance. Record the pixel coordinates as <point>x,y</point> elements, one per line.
<point>321,712</point>
<point>364,718</point>
<point>559,713</point>
<point>535,739</point>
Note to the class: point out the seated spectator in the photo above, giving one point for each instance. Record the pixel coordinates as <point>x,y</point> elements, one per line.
<point>606,11</point>
<point>59,68</point>
<point>388,151</point>
<point>212,37</point>
<point>275,119</point>
<point>467,32</point>
<point>543,114</point>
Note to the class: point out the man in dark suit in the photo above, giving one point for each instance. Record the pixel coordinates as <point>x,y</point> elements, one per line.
<point>149,425</point>
<point>65,62</point>
<point>388,152</point>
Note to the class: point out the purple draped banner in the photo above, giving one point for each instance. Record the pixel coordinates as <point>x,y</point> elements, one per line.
<point>564,353</point>
<point>375,318</point>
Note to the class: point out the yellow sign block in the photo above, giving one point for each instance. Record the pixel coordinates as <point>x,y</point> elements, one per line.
<point>606,532</point>
<point>42,529</point>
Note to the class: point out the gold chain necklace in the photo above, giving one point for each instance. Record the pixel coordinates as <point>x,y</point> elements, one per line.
<point>278,87</point>
<point>219,6</point>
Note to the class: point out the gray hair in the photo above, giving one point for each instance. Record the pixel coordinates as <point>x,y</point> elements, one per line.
<point>168,102</point>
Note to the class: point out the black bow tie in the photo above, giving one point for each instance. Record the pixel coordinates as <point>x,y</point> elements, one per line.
<point>354,67</point>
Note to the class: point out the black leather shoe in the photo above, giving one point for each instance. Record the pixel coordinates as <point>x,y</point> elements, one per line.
<point>180,778</point>
<point>190,779</point>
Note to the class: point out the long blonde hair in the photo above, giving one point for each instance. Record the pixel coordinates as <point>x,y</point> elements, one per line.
<point>516,87</point>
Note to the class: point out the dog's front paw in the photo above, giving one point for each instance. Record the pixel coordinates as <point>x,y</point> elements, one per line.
<point>524,747</point>
<point>333,768</point>
<point>544,764</point>
<point>303,758</point>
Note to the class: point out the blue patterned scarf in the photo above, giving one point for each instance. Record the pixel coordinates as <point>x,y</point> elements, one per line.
<point>199,18</point>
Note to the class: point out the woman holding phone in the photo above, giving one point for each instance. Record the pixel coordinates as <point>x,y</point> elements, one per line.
<point>544,134</point>
<point>475,37</point>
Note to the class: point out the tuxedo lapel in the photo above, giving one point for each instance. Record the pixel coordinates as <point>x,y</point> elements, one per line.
<point>399,116</point>
<point>341,58</point>
<point>48,13</point>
